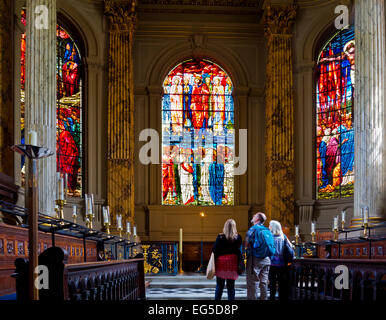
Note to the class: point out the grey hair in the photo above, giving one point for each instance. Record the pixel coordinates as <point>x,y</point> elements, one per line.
<point>230,230</point>
<point>275,228</point>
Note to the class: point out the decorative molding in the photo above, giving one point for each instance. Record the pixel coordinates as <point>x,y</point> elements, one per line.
<point>122,15</point>
<point>208,3</point>
<point>278,20</point>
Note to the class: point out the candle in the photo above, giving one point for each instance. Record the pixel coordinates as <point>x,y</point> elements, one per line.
<point>119,221</point>
<point>366,217</point>
<point>61,195</point>
<point>74,211</point>
<point>65,184</point>
<point>181,240</point>
<point>86,203</point>
<point>362,214</point>
<point>89,205</point>
<point>108,214</point>
<point>128,227</point>
<point>343,216</point>
<point>57,184</point>
<point>335,226</point>
<point>105,217</point>
<point>135,230</point>
<point>296,230</point>
<point>32,138</point>
<point>313,227</point>
<point>92,203</point>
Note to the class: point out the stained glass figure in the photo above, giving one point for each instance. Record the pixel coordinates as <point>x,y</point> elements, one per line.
<point>334,116</point>
<point>69,108</point>
<point>197,135</point>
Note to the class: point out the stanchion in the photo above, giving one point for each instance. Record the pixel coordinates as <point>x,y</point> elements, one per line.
<point>33,153</point>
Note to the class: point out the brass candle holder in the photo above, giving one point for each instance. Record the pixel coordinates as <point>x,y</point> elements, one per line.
<point>128,236</point>
<point>365,229</point>
<point>297,239</point>
<point>313,237</point>
<point>107,226</point>
<point>120,231</point>
<point>89,217</point>
<point>180,262</point>
<point>60,203</point>
<point>342,224</point>
<point>74,218</point>
<point>336,234</point>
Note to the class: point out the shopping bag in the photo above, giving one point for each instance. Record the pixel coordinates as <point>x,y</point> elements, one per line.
<point>210,270</point>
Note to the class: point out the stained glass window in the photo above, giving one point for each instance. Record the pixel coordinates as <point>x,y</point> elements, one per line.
<point>334,116</point>
<point>69,108</point>
<point>197,135</point>
<point>69,111</point>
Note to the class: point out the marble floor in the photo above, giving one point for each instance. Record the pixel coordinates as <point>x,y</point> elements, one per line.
<point>189,286</point>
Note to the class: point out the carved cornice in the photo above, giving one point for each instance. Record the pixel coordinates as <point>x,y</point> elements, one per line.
<point>122,15</point>
<point>209,3</point>
<point>278,20</point>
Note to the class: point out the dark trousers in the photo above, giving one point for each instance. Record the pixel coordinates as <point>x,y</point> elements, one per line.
<point>278,277</point>
<point>220,287</point>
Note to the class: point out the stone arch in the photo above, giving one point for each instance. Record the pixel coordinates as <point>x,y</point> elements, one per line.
<point>168,59</point>
<point>70,17</point>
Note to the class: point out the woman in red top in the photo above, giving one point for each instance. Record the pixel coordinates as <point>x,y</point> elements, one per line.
<point>227,258</point>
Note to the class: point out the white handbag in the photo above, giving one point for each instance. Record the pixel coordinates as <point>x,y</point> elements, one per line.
<point>211,270</point>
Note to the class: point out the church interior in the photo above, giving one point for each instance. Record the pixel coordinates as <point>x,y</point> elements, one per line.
<point>131,130</point>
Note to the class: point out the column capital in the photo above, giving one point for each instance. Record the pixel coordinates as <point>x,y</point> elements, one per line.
<point>122,15</point>
<point>279,19</point>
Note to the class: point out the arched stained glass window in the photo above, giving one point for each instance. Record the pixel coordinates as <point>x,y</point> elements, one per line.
<point>197,135</point>
<point>69,111</point>
<point>69,108</point>
<point>334,116</point>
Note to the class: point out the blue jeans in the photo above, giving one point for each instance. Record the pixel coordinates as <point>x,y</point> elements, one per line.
<point>220,287</point>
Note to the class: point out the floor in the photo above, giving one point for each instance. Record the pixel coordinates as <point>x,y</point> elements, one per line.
<point>188,286</point>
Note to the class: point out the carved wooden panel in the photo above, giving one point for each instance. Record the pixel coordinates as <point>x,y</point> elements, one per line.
<point>14,244</point>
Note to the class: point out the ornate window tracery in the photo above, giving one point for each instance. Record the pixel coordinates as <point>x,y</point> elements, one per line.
<point>197,135</point>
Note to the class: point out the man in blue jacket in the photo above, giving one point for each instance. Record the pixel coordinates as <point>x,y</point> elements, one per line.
<point>258,260</point>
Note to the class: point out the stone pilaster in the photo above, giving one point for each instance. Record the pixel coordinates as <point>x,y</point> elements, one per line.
<point>40,92</point>
<point>6,88</point>
<point>120,188</point>
<point>369,113</point>
<point>279,145</point>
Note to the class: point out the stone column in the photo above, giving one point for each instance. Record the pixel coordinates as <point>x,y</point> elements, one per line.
<point>6,88</point>
<point>369,110</point>
<point>279,145</point>
<point>120,180</point>
<point>40,92</point>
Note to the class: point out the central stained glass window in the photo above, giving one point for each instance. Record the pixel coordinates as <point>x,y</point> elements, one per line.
<point>197,135</point>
